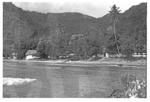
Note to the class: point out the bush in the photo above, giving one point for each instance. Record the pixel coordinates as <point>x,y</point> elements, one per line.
<point>132,87</point>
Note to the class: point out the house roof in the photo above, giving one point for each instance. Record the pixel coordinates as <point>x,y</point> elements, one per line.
<point>31,52</point>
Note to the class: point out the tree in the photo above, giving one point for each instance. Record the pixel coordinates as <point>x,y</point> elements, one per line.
<point>7,51</point>
<point>20,48</point>
<point>43,48</point>
<point>127,45</point>
<point>115,13</point>
<point>78,46</point>
<point>94,48</point>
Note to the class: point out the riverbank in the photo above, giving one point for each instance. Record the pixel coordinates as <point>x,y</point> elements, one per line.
<point>104,61</point>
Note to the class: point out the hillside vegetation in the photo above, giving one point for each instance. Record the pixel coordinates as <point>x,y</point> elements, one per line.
<point>59,34</point>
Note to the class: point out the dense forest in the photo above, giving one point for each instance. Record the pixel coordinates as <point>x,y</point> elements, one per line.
<point>60,34</point>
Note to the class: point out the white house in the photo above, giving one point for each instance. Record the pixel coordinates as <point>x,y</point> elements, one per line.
<point>31,54</point>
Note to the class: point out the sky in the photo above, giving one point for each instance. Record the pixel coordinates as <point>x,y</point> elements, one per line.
<point>95,8</point>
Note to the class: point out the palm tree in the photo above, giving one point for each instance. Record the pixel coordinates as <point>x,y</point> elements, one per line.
<point>115,13</point>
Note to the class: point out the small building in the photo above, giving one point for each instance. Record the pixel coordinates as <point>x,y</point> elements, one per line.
<point>14,55</point>
<point>31,54</point>
<point>139,55</point>
<point>106,55</point>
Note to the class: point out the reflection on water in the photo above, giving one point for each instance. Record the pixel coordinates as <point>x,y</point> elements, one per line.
<point>65,81</point>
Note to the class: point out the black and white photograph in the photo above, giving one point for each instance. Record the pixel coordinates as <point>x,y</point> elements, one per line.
<point>74,49</point>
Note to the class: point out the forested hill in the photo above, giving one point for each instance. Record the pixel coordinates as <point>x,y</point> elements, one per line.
<point>55,34</point>
<point>131,28</point>
<point>44,24</point>
<point>135,14</point>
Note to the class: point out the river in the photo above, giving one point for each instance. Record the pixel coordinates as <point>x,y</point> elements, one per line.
<point>66,81</point>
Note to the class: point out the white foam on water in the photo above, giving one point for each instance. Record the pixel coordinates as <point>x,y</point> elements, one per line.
<point>16,81</point>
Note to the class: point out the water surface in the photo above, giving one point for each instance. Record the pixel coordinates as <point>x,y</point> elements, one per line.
<point>66,81</point>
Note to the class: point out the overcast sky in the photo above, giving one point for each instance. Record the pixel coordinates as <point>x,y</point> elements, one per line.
<point>95,8</point>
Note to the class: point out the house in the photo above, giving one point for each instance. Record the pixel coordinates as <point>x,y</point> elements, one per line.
<point>105,53</point>
<point>14,55</point>
<point>31,54</point>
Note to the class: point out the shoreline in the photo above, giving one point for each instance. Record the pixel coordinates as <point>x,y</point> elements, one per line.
<point>110,61</point>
